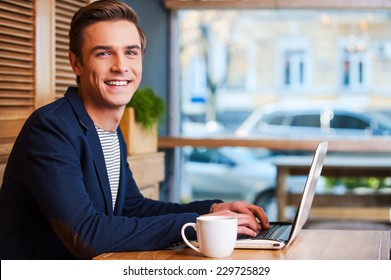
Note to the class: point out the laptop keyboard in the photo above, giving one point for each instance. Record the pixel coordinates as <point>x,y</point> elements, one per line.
<point>276,231</point>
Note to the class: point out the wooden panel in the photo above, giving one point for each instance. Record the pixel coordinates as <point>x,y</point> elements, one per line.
<point>10,128</point>
<point>44,70</point>
<point>251,4</point>
<point>11,113</point>
<point>382,214</point>
<point>348,200</point>
<point>5,149</point>
<point>147,169</point>
<point>148,172</point>
<point>335,4</point>
<point>236,4</point>
<point>151,191</point>
<point>2,167</point>
<point>375,144</point>
<point>138,140</point>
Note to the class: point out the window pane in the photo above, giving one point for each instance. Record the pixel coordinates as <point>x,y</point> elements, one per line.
<point>348,122</point>
<point>306,120</point>
<point>234,61</point>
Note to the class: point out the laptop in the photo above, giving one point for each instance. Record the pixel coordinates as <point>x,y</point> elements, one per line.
<point>282,234</point>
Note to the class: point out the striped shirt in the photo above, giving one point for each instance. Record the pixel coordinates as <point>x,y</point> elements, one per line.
<point>111,152</point>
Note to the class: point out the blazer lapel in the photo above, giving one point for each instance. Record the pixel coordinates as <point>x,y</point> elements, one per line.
<point>122,180</point>
<point>100,167</point>
<point>96,148</point>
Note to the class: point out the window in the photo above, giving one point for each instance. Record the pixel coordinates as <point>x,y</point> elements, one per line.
<point>306,120</point>
<point>209,156</point>
<point>295,66</point>
<point>238,60</point>
<point>274,119</point>
<point>349,122</point>
<point>275,52</point>
<point>355,67</point>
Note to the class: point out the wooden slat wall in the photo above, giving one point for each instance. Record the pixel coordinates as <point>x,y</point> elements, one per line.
<point>17,73</point>
<point>18,83</point>
<point>64,74</point>
<point>16,55</point>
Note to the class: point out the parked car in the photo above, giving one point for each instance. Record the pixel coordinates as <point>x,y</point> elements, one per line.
<point>311,119</point>
<point>234,173</point>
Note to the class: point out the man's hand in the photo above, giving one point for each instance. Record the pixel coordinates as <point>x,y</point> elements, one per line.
<point>249,216</point>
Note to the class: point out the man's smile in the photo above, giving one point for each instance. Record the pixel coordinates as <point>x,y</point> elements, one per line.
<point>117,83</point>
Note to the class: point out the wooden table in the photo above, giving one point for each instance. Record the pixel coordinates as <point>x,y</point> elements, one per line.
<point>309,245</point>
<point>371,206</point>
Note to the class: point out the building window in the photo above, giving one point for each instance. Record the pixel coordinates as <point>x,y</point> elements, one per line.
<point>355,67</point>
<point>294,69</point>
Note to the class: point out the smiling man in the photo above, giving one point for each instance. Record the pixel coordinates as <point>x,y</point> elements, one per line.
<point>109,67</point>
<point>68,191</point>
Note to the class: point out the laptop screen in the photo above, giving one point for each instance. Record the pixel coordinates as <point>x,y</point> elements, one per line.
<point>309,190</point>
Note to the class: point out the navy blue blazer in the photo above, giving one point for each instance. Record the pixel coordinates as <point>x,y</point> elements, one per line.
<point>55,201</point>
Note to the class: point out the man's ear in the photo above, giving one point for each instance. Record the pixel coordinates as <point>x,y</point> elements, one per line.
<point>75,63</point>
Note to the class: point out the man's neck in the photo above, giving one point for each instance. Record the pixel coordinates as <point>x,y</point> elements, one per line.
<point>106,119</point>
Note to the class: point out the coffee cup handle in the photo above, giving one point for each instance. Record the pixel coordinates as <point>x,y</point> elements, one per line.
<point>193,225</point>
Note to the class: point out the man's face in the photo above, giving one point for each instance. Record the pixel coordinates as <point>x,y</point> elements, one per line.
<point>111,66</point>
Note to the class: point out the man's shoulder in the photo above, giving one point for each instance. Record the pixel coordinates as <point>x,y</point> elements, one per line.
<point>59,113</point>
<point>55,110</point>
<point>62,108</point>
<point>65,114</point>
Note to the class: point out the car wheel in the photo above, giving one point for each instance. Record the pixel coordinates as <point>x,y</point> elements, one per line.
<point>268,201</point>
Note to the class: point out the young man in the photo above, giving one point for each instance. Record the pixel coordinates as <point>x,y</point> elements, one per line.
<point>59,200</point>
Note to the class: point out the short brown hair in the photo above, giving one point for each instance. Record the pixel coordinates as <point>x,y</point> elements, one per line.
<point>102,10</point>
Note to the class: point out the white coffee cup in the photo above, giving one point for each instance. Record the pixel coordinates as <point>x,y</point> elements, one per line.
<point>216,235</point>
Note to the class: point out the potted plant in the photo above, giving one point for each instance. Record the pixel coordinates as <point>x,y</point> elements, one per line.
<point>140,121</point>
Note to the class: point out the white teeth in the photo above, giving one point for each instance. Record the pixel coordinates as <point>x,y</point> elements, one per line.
<point>117,83</point>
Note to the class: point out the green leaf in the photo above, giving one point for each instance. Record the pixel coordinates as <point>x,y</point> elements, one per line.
<point>148,106</point>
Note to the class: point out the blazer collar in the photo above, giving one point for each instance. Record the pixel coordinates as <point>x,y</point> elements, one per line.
<point>78,107</point>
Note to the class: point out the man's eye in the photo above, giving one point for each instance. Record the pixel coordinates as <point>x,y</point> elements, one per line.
<point>102,54</point>
<point>132,53</point>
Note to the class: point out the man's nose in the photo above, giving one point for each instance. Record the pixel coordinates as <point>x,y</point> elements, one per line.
<point>119,65</point>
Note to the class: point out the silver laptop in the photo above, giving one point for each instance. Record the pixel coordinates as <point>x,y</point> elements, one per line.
<point>282,234</point>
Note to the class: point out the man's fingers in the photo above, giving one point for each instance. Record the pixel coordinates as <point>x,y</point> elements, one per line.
<point>249,222</point>
<point>253,210</point>
<point>247,231</point>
